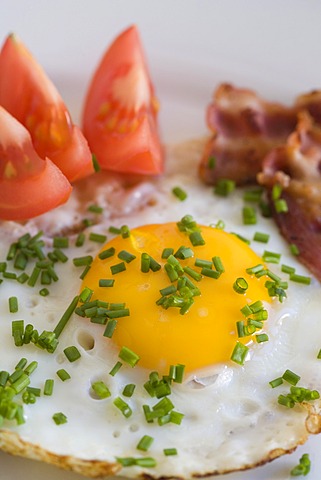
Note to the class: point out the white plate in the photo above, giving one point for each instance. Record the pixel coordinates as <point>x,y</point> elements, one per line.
<point>273,47</point>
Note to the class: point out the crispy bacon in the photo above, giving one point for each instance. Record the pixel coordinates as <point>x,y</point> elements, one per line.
<point>296,167</point>
<point>244,129</point>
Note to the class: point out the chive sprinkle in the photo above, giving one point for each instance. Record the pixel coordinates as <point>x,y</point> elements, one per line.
<point>106,282</point>
<point>115,368</point>
<point>107,253</point>
<point>97,237</point>
<point>145,443</point>
<point>261,237</point>
<point>80,240</point>
<point>101,390</point>
<point>170,451</point>
<point>129,390</point>
<point>239,353</point>
<point>303,468</point>
<point>72,353</point>
<point>128,356</point>
<point>126,256</point>
<point>291,377</point>
<point>167,252</point>
<point>123,407</point>
<point>13,304</point>
<point>63,374</point>
<point>59,418</point>
<point>48,388</point>
<point>179,193</point>
<point>240,285</point>
<point>118,268</point>
<point>224,187</point>
<point>249,216</point>
<point>95,209</point>
<point>61,242</point>
<point>66,316</point>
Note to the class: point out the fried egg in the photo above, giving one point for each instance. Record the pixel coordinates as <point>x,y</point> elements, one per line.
<point>120,402</point>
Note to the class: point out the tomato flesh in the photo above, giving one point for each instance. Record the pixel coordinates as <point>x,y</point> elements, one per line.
<point>29,185</point>
<point>28,94</point>
<point>120,112</point>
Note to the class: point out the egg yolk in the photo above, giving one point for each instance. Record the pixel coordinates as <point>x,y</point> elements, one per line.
<point>206,334</point>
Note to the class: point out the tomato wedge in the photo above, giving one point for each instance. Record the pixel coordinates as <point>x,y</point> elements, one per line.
<point>27,93</point>
<point>29,186</point>
<point>120,111</point>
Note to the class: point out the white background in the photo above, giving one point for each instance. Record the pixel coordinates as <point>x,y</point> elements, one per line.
<point>272,46</point>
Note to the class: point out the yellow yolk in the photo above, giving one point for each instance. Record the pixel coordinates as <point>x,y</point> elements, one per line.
<point>206,334</point>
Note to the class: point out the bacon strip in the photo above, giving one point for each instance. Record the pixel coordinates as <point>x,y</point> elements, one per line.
<point>297,168</point>
<point>244,129</point>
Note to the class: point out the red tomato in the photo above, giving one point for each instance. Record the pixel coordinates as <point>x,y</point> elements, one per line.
<point>29,186</point>
<point>28,94</point>
<point>119,119</point>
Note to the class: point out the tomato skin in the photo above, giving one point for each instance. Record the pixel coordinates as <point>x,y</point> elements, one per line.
<point>120,110</point>
<point>29,185</point>
<point>28,94</point>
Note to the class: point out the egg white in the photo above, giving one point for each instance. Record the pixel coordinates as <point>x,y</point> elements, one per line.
<point>232,419</point>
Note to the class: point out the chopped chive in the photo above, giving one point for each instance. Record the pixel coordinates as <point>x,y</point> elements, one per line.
<point>196,238</point>
<point>48,389</point>
<point>123,407</point>
<point>271,257</point>
<point>83,261</point>
<point>129,390</point>
<point>239,353</point>
<point>193,274</point>
<point>170,451</point>
<point>118,313</point>
<point>128,356</point>
<point>179,373</point>
<point>240,285</point>
<point>154,265</point>
<point>124,231</point>
<point>21,261</point>
<point>95,163</point>
<point>84,272</point>
<point>80,240</point>
<point>17,330</point>
<point>319,354</point>
<point>240,237</point>
<point>118,268</point>
<point>291,377</point>
<point>167,252</point>
<point>218,264</point>
<point>294,249</point>
<point>21,364</point>
<point>281,206</point>
<point>287,269</point>
<point>249,216</point>
<point>145,262</point>
<point>300,279</point>
<point>34,277</point>
<point>31,367</point>
<point>72,353</point>
<point>144,443</point>
<point>179,193</point>
<point>126,256</point>
<point>95,209</point>
<point>23,278</point>
<point>276,382</point>
<point>114,230</point>
<point>61,242</point>
<point>203,263</point>
<point>87,222</point>
<point>66,316</point>
<point>63,374</point>
<point>262,337</point>
<point>168,290</point>
<point>115,368</point>
<point>101,390</point>
<point>13,304</point>
<point>303,468</point>
<point>211,162</point>
<point>253,195</point>
<point>107,253</point>
<point>184,252</point>
<point>85,295</point>
<point>261,237</point>
<point>59,418</point>
<point>276,191</point>
<point>224,187</point>
<point>60,255</point>
<point>35,391</point>
<point>208,272</point>
<point>97,237</point>
<point>106,282</point>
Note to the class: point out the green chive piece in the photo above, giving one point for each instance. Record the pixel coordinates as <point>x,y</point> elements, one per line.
<point>72,353</point>
<point>303,468</point>
<point>13,304</point>
<point>63,374</point>
<point>253,195</point>
<point>110,328</point>
<point>128,356</point>
<point>184,252</point>
<point>203,263</point>
<point>262,337</point>
<point>17,330</point>
<point>281,206</point>
<point>124,231</point>
<point>59,418</point>
<point>291,377</point>
<point>114,230</point>
<point>80,240</point>
<point>276,382</point>
<point>95,209</point>
<point>145,443</point>
<point>95,163</point>
<point>97,237</point>
<point>83,261</point>
<point>61,242</point>
<point>261,237</point>
<point>300,279</point>
<point>145,262</point>
<point>271,257</point>
<point>249,216</point>
<point>208,272</point>
<point>239,353</point>
<point>194,275</point>
<point>115,369</point>
<point>66,316</point>
<point>84,272</point>
<point>129,390</point>
<point>101,390</point>
<point>196,239</point>
<point>224,187</point>
<point>170,451</point>
<point>294,249</point>
<point>106,282</point>
<point>240,285</point>
<point>118,268</point>
<point>179,193</point>
<point>167,252</point>
<point>126,256</point>
<point>34,277</point>
<point>218,264</point>
<point>107,253</point>
<point>48,388</point>
<point>240,237</point>
<point>319,354</point>
<point>123,407</point>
